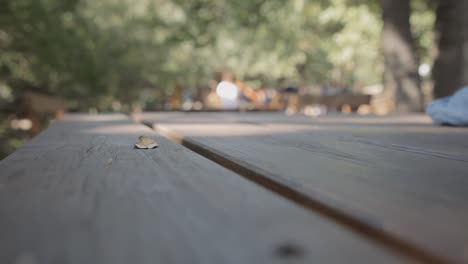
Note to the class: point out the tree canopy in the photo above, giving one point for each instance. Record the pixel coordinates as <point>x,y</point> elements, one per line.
<point>95,52</point>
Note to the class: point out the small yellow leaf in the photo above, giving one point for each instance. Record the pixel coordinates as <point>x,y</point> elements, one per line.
<point>146,143</point>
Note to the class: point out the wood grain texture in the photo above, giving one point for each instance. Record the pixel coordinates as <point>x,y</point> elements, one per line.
<point>414,131</point>
<point>409,188</point>
<point>80,193</point>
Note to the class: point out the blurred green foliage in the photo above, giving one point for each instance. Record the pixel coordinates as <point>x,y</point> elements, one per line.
<point>88,51</point>
<point>94,53</point>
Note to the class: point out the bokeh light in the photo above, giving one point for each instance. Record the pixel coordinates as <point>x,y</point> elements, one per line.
<point>227,90</point>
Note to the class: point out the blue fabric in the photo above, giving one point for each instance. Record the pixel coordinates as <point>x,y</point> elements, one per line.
<point>450,110</point>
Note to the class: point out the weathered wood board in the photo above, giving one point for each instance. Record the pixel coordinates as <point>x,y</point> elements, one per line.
<point>80,193</point>
<point>413,131</point>
<point>411,187</point>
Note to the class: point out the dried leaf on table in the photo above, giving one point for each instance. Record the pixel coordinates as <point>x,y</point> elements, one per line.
<point>146,143</point>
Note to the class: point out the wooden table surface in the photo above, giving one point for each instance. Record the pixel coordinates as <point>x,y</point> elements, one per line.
<point>237,188</point>
<point>399,179</point>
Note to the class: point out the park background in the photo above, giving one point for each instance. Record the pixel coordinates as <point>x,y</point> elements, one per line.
<point>146,55</point>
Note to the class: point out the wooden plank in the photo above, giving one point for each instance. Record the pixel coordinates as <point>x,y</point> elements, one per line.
<point>414,198</point>
<point>80,193</point>
<point>411,131</point>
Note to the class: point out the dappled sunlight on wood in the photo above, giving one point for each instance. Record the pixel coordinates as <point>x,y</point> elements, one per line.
<point>112,129</point>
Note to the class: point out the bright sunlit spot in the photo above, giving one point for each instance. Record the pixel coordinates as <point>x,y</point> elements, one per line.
<point>226,90</point>
<point>424,69</point>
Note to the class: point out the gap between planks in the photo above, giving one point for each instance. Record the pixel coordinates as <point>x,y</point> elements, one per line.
<point>293,194</point>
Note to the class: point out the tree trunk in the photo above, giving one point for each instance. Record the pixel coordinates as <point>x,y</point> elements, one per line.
<point>451,65</point>
<point>401,79</point>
